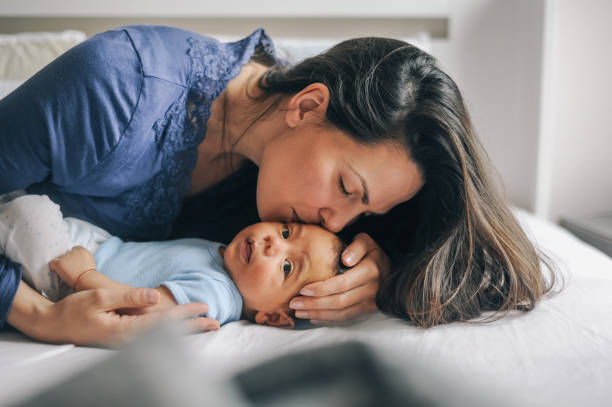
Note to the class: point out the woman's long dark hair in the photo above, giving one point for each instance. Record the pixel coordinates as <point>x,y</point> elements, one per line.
<point>456,248</point>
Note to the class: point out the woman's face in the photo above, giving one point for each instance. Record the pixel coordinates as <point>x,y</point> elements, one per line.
<point>315,174</point>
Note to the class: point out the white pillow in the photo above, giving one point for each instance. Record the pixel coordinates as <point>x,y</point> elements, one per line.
<point>7,86</point>
<point>24,54</point>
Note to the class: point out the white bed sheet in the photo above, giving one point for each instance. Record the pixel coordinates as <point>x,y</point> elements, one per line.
<point>559,354</point>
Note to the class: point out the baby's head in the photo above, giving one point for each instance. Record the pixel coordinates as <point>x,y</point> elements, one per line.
<point>270,263</point>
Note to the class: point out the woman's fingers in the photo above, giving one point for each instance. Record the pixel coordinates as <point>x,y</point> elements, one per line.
<point>358,249</point>
<point>111,300</point>
<point>189,314</point>
<point>338,306</point>
<point>176,313</point>
<point>91,318</point>
<point>347,295</point>
<point>332,316</point>
<point>361,274</point>
<point>339,301</point>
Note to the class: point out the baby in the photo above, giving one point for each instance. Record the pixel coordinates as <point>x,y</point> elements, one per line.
<point>255,276</point>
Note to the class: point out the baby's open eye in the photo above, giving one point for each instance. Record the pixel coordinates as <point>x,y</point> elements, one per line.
<point>287,267</point>
<point>285,232</point>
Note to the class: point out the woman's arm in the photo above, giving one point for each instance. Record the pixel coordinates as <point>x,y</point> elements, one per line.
<point>10,276</point>
<point>350,294</point>
<point>63,121</point>
<point>90,317</point>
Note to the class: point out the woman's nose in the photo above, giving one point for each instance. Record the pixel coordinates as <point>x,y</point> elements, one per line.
<point>335,220</point>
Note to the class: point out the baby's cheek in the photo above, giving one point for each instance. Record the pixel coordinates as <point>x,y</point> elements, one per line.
<point>263,276</point>
<point>258,273</point>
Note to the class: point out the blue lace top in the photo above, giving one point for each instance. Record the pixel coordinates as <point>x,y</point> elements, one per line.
<point>109,130</point>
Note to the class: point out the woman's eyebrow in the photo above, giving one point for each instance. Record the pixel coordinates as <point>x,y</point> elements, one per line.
<point>366,195</point>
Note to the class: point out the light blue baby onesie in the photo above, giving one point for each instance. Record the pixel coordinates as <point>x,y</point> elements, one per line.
<point>192,269</point>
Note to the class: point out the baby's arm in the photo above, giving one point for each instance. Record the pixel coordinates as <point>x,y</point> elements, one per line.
<point>78,269</point>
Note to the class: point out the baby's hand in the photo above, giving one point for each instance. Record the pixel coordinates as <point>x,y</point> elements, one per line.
<point>70,265</point>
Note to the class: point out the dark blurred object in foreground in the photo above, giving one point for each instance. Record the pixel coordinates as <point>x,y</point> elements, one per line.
<point>155,370</point>
<point>347,374</point>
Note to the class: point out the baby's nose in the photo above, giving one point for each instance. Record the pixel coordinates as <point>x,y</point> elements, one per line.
<point>272,245</point>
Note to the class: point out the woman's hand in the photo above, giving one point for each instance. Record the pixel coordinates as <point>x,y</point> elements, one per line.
<point>91,318</point>
<point>347,295</point>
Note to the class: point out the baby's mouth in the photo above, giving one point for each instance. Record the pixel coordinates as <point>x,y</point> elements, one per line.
<point>247,250</point>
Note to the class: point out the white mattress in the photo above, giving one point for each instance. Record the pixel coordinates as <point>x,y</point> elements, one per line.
<point>559,354</point>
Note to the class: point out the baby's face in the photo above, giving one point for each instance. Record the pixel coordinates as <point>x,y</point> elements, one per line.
<point>270,262</point>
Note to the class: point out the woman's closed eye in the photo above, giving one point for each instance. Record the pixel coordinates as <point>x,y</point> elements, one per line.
<point>287,267</point>
<point>343,187</point>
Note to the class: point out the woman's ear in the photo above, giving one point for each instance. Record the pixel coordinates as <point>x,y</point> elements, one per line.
<point>314,98</point>
<point>281,318</point>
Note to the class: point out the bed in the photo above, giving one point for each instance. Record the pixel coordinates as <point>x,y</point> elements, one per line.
<point>559,354</point>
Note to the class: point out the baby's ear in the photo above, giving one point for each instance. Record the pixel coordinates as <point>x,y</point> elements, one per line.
<point>280,318</point>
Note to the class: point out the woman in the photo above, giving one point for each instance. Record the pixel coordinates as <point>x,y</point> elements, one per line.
<point>151,132</point>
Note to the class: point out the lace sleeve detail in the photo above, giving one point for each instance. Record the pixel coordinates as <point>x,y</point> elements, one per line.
<point>213,66</point>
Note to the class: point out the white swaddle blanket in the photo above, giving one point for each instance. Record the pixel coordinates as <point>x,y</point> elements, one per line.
<point>33,232</point>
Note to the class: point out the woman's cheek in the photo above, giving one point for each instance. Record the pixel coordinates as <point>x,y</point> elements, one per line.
<point>317,196</point>
<point>271,197</point>
<point>315,188</point>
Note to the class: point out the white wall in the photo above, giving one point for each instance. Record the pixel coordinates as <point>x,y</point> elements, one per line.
<point>494,55</point>
<point>581,182</point>
<point>536,76</point>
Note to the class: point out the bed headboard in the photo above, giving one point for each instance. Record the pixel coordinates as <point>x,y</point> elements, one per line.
<point>313,19</point>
